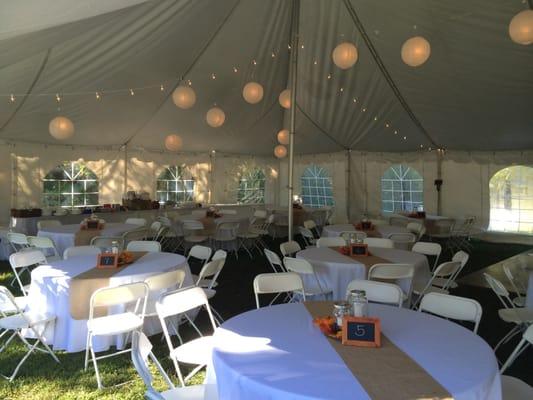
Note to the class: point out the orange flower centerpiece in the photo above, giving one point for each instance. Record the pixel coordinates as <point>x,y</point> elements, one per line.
<point>125,257</point>
<point>328,326</point>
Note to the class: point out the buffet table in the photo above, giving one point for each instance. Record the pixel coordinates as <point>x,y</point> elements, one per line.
<point>277,353</point>
<point>50,293</point>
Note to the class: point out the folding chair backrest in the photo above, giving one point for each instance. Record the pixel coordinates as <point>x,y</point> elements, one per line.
<point>117,295</point>
<point>200,252</point>
<point>220,255</point>
<point>277,283</point>
<point>402,237</point>
<point>273,259</point>
<point>414,227</point>
<point>227,230</point>
<point>166,280</point>
<point>135,234</point>
<point>229,212</point>
<point>378,222</point>
<point>155,227</point>
<point>306,232</point>
<point>27,258</point>
<point>7,300</point>
<point>336,241</point>
<point>447,269</point>
<point>260,214</point>
<point>77,251</point>
<point>512,280</point>
<point>391,271</point>
<point>136,221</point>
<point>107,241</point>
<point>48,223</point>
<point>454,307</point>
<point>17,239</point>
<point>427,248</point>
<point>357,235</point>
<point>398,221</point>
<point>462,257</point>
<point>183,300</point>
<point>150,246</point>
<point>211,269</point>
<point>444,226</point>
<point>298,265</point>
<point>379,242</point>
<point>289,248</point>
<point>499,289</point>
<point>378,292</point>
<point>310,224</point>
<point>41,242</point>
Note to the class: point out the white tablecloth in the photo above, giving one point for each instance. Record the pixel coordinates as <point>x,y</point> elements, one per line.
<point>63,236</point>
<point>276,353</point>
<point>50,291</point>
<point>336,270</point>
<point>384,230</point>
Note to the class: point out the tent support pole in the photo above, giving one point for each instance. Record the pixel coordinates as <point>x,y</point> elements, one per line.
<point>292,111</point>
<point>348,183</point>
<point>439,183</point>
<point>125,169</point>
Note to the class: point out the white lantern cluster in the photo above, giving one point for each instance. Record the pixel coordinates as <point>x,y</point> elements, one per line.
<point>184,97</point>
<point>283,136</point>
<point>173,142</point>
<point>521,27</point>
<point>280,151</point>
<point>345,55</point>
<point>285,98</point>
<point>415,51</point>
<point>215,117</point>
<point>61,128</point>
<point>252,92</point>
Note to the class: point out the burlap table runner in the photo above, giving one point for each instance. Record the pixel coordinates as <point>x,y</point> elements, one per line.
<point>367,261</point>
<point>82,287</point>
<point>385,372</point>
<point>84,236</point>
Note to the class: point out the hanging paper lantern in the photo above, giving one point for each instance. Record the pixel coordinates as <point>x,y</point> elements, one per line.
<point>61,128</point>
<point>283,136</point>
<point>345,55</point>
<point>521,27</point>
<point>215,117</point>
<point>252,92</point>
<point>184,97</point>
<point>280,151</point>
<point>415,51</point>
<point>285,98</point>
<point>173,142</point>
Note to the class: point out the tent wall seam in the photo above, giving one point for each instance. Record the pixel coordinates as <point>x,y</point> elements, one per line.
<point>321,129</point>
<point>385,72</point>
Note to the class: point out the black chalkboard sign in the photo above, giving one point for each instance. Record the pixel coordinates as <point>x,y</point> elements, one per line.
<point>93,224</point>
<point>107,260</point>
<point>360,331</point>
<point>359,249</point>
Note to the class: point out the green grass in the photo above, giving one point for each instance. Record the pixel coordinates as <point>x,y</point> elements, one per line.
<point>42,378</point>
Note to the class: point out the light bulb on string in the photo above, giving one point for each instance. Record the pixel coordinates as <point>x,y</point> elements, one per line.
<point>12,98</point>
<point>184,97</point>
<point>132,93</point>
<point>215,117</point>
<point>213,76</point>
<point>58,98</point>
<point>162,88</point>
<point>280,151</point>
<point>235,69</point>
<point>97,95</point>
<point>283,136</point>
<point>285,98</point>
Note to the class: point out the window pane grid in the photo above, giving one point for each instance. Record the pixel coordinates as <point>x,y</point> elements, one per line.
<point>401,189</point>
<point>317,188</point>
<point>252,187</point>
<point>171,186</point>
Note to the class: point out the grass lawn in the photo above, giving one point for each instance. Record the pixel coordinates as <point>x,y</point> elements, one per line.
<point>42,378</point>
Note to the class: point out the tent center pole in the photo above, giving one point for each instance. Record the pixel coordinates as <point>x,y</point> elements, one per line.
<point>125,169</point>
<point>293,66</point>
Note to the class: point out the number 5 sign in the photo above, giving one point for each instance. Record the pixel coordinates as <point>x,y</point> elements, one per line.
<point>364,332</point>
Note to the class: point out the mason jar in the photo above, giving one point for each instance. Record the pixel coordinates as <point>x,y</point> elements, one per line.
<point>359,303</point>
<point>340,309</point>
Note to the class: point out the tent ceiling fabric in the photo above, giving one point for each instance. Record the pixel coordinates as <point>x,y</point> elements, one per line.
<point>474,92</point>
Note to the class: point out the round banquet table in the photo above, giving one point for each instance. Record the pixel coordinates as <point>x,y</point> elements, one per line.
<point>336,271</point>
<point>50,290</point>
<point>276,353</point>
<point>63,236</point>
<point>383,230</point>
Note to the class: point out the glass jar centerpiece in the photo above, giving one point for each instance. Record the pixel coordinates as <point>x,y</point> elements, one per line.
<point>341,309</point>
<point>359,303</point>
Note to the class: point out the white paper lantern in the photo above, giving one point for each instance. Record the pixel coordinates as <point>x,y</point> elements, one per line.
<point>283,136</point>
<point>345,55</point>
<point>252,92</point>
<point>521,27</point>
<point>416,51</point>
<point>173,142</point>
<point>285,98</point>
<point>61,128</point>
<point>280,151</point>
<point>184,97</point>
<point>215,117</point>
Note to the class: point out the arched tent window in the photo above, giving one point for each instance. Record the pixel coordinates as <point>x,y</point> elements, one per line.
<point>402,189</point>
<point>317,190</point>
<point>70,184</point>
<point>252,187</point>
<point>175,184</point>
<point>511,200</point>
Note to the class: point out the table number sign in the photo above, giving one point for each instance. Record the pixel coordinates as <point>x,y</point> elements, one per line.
<point>361,331</point>
<point>107,260</point>
<point>359,249</point>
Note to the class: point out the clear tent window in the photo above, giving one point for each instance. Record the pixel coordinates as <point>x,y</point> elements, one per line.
<point>175,185</point>
<point>70,184</point>
<point>252,187</point>
<point>317,188</point>
<point>402,189</point>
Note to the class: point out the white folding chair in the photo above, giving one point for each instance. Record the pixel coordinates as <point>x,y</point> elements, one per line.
<point>106,242</point>
<point>450,283</point>
<point>378,222</point>
<point>225,237</point>
<point>379,242</point>
<point>453,307</point>
<point>428,249</point>
<point>48,223</point>
<point>78,251</point>
<point>151,246</point>
<point>274,261</point>
<point>193,232</point>
<point>522,318</point>
<point>128,321</point>
<point>136,221</point>
<point>18,241</point>
<point>202,253</point>
<point>445,272</point>
<point>22,261</point>
<point>155,230</point>
<point>17,321</point>
<point>311,225</point>
<point>527,339</point>
<point>260,214</point>
<point>394,273</point>
<point>209,283</point>
<point>517,286</point>
<point>135,234</point>
<point>403,241</point>
<point>208,277</point>
<point>46,245</point>
<point>515,389</point>
<point>336,241</point>
<point>141,353</point>
<point>308,236</point>
<point>442,228</point>
<point>378,292</point>
<point>248,239</point>
<point>279,282</point>
<point>398,221</point>
<point>289,248</point>
<point>197,351</point>
<point>304,267</point>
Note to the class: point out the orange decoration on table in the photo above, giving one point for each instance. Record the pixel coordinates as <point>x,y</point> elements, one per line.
<point>328,326</point>
<point>125,257</point>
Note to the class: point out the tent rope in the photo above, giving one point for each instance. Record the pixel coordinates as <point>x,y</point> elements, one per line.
<point>30,89</point>
<point>187,70</point>
<point>386,73</point>
<point>320,128</point>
